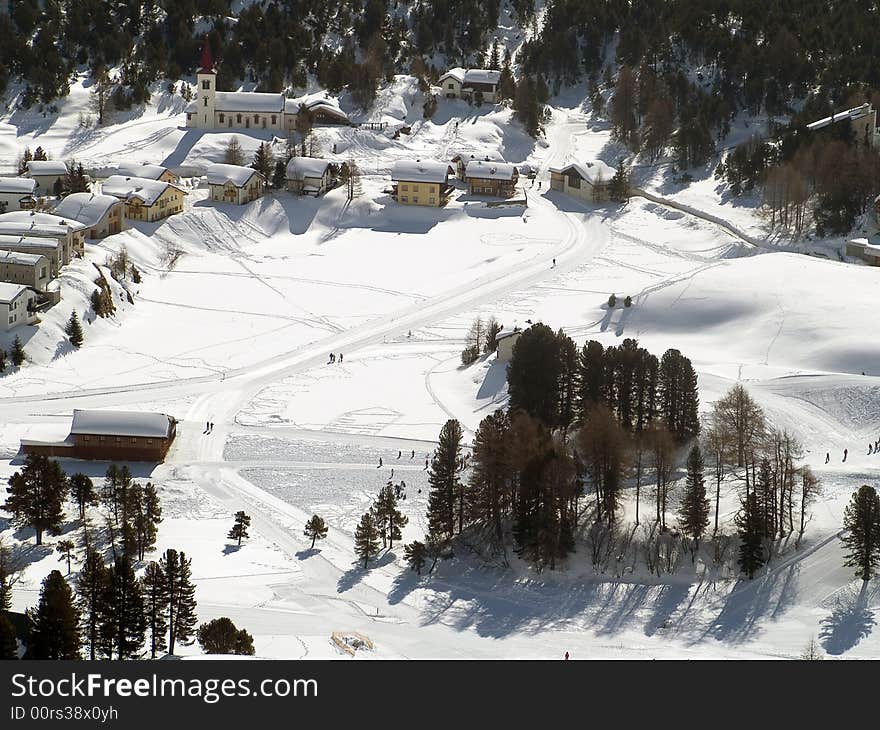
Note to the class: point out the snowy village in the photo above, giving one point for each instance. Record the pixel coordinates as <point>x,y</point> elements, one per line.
<point>393,340</point>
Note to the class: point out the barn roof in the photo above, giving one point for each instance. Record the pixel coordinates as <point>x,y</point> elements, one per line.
<point>120,423</point>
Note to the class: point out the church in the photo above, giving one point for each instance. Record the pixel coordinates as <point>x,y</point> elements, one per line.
<point>212,109</point>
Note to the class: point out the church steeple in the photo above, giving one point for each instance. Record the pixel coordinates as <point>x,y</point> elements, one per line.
<point>207,63</point>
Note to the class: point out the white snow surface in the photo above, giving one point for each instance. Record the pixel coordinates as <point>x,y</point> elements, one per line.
<point>239,307</point>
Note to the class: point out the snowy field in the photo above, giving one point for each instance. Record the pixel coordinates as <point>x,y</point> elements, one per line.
<point>239,329</point>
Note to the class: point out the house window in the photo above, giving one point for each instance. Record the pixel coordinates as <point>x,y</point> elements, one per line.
<point>86,438</point>
<point>134,441</point>
<point>256,117</point>
<point>574,181</point>
<point>206,101</point>
<point>415,188</point>
<point>404,187</point>
<point>206,84</point>
<point>450,85</point>
<point>432,201</point>
<point>149,442</point>
<point>238,118</point>
<point>11,320</point>
<point>118,440</point>
<point>404,199</point>
<point>273,119</point>
<point>221,117</point>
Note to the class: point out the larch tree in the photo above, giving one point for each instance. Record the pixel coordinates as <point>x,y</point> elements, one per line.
<point>861,520</point>
<point>101,101</point>
<point>489,493</point>
<point>233,154</point>
<point>742,419</point>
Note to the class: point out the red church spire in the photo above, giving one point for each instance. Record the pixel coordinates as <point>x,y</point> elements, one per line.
<point>207,64</point>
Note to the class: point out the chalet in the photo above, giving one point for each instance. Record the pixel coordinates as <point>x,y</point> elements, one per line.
<point>48,174</point>
<point>111,436</point>
<point>70,234</point>
<point>463,158</point>
<point>29,269</point>
<point>863,120</point>
<point>505,340</point>
<point>145,200</point>
<point>234,183</point>
<point>491,178</point>
<point>421,183</point>
<point>17,306</point>
<point>212,109</point>
<point>310,176</point>
<point>150,172</point>
<point>17,193</point>
<point>102,215</point>
<point>51,249</point>
<point>472,84</point>
<point>585,180</point>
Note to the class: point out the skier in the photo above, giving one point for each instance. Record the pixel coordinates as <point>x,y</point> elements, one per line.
<point>340,358</point>
<point>554,263</point>
<point>392,473</point>
<point>380,463</point>
<point>399,453</point>
<point>413,456</point>
<point>539,187</point>
<point>845,452</point>
<point>211,429</point>
<point>827,457</point>
<point>332,358</point>
<point>566,656</point>
<point>207,426</point>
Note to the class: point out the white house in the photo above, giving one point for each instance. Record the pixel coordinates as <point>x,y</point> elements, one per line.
<point>150,172</point>
<point>585,180</point>
<point>309,175</point>
<point>101,215</point>
<point>234,183</point>
<point>212,109</point>
<point>145,200</point>
<point>47,174</point>
<point>17,193</point>
<point>505,341</point>
<point>51,248</point>
<point>70,234</point>
<point>474,84</point>
<point>17,304</point>
<point>28,269</point>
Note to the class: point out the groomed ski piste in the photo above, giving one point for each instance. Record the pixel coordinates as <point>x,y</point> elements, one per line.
<point>239,330</point>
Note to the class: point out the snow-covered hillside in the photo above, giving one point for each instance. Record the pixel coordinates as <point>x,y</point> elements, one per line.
<point>239,329</point>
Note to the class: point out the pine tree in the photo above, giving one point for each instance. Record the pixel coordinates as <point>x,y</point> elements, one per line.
<point>262,162</point>
<point>11,565</point>
<point>366,538</point>
<point>75,179</point>
<point>147,516</point>
<point>220,636</point>
<point>750,527</point>
<point>693,513</point>
<point>92,590</point>
<point>415,555</point>
<point>82,491</point>
<point>443,478</point>
<point>73,330</point>
<point>17,356</point>
<point>101,101</point>
<point>315,529</point>
<point>8,639</point>
<point>618,187</point>
<point>126,609</point>
<point>181,598</point>
<point>353,179</point>
<point>65,549</point>
<point>53,631</point>
<point>861,520</point>
<point>26,157</point>
<point>239,527</point>
<point>490,493</point>
<point>533,374</point>
<point>35,496</point>
<point>155,593</point>
<point>3,356</point>
<point>390,520</point>
<point>279,176</point>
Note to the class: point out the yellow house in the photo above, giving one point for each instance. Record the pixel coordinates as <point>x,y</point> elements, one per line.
<point>145,200</point>
<point>421,183</point>
<point>234,183</point>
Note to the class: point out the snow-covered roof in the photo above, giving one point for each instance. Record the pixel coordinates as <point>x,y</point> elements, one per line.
<point>466,156</point>
<point>29,242</point>
<point>852,114</point>
<point>490,170</point>
<point>592,172</point>
<point>300,168</point>
<point>473,75</point>
<point>120,423</point>
<point>23,185</point>
<point>418,171</point>
<point>46,167</point>
<point>87,208</point>
<point>238,175</point>
<point>127,188</point>
<point>315,103</point>
<point>868,248</point>
<point>19,258</point>
<point>248,101</point>
<point>32,223</point>
<point>150,172</point>
<point>192,106</point>
<point>9,292</point>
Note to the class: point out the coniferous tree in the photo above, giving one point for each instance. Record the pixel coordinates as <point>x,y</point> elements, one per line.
<point>93,592</point>
<point>147,512</point>
<point>262,162</point>
<point>618,186</point>
<point>53,631</point>
<point>35,496</point>
<point>11,565</point>
<point>155,593</point>
<point>390,520</point>
<point>126,605</point>
<point>233,154</point>
<point>751,530</point>
<point>181,598</point>
<point>415,555</point>
<point>65,549</point>
<point>591,378</point>
<point>73,330</point>
<point>17,355</point>
<point>220,636</point>
<point>568,381</point>
<point>533,374</point>
<point>75,179</point>
<point>82,491</point>
<point>490,494</point>
<point>239,528</point>
<point>678,395</point>
<point>315,529</point>
<point>366,538</point>
<point>279,176</point>
<point>861,520</point>
<point>8,639</point>
<point>693,513</point>
<point>26,157</point>
<point>444,481</point>
<point>3,356</point>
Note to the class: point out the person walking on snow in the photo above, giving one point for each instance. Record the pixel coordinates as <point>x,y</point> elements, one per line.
<point>211,427</point>
<point>340,358</point>
<point>426,464</point>
<point>566,656</point>
<point>845,452</point>
<point>413,456</point>
<point>399,453</point>
<point>380,463</point>
<point>827,457</point>
<point>207,426</point>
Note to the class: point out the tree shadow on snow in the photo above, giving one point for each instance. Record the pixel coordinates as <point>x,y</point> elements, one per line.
<point>306,554</point>
<point>355,574</point>
<point>850,622</point>
<point>230,549</point>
